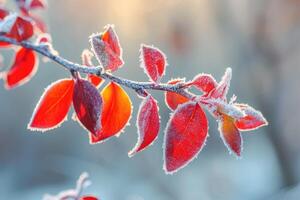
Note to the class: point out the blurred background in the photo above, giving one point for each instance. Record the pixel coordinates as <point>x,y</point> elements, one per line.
<point>260,40</point>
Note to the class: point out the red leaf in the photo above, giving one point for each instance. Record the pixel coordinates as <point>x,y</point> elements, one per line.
<point>23,68</point>
<point>53,106</point>
<point>86,57</point>
<point>253,119</point>
<point>204,82</point>
<point>33,4</point>
<point>89,198</point>
<point>230,134</point>
<point>116,112</point>
<point>27,5</point>
<point>3,13</point>
<point>107,49</point>
<point>173,99</point>
<point>4,44</point>
<point>95,80</point>
<point>111,38</point>
<point>17,27</point>
<point>88,105</point>
<point>147,124</point>
<point>153,61</point>
<point>223,87</point>
<point>186,133</point>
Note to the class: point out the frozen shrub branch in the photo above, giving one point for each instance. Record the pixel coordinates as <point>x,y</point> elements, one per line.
<point>107,113</point>
<point>139,87</point>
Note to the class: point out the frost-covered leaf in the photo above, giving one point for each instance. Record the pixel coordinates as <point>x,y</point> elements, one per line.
<point>16,27</point>
<point>24,67</point>
<point>173,99</point>
<point>219,107</point>
<point>230,134</point>
<point>3,13</point>
<point>28,5</point>
<point>153,61</point>
<point>223,87</point>
<point>253,119</point>
<point>53,106</point>
<point>86,58</point>
<point>116,112</point>
<point>185,136</point>
<point>107,49</point>
<point>88,105</point>
<point>147,123</point>
<point>204,82</point>
<point>111,38</point>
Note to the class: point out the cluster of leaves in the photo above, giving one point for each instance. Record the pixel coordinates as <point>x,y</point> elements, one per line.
<point>21,26</point>
<point>106,114</point>
<point>74,194</point>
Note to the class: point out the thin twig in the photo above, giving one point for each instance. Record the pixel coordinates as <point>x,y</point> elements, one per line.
<point>97,70</point>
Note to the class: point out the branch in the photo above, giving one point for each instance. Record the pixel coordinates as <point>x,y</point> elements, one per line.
<point>139,87</point>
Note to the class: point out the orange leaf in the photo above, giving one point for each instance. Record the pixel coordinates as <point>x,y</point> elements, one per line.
<point>53,106</point>
<point>172,98</point>
<point>230,134</point>
<point>116,112</point>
